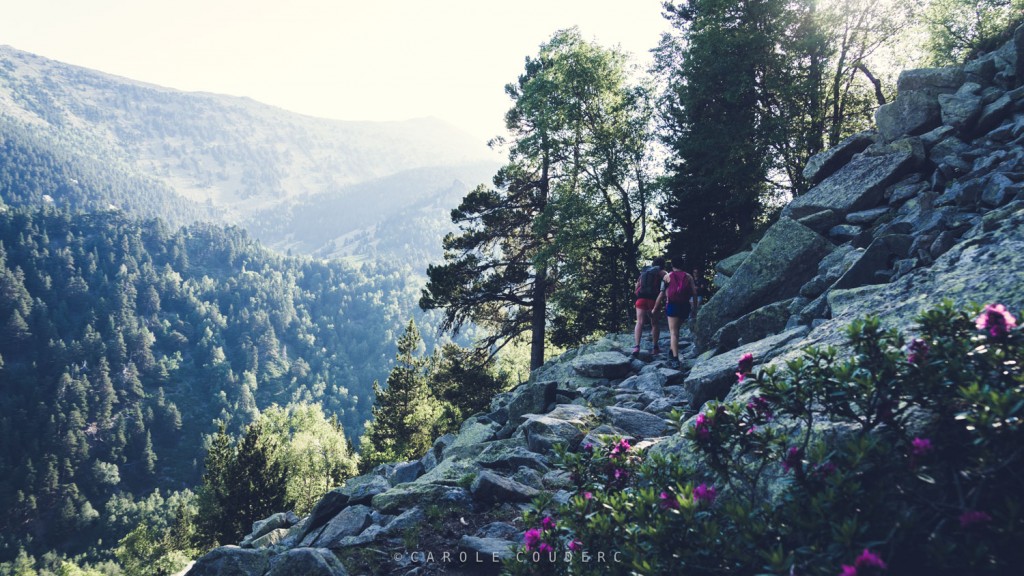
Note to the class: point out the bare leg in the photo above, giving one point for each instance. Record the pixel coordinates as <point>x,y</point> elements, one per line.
<point>673,330</point>
<point>655,329</point>
<point>639,330</point>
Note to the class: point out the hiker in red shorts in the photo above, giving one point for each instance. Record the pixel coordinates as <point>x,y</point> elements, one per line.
<point>648,286</point>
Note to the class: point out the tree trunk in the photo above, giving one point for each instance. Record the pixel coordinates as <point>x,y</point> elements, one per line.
<point>538,319</point>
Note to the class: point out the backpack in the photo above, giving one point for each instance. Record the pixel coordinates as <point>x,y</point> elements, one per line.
<point>678,290</point>
<point>650,283</point>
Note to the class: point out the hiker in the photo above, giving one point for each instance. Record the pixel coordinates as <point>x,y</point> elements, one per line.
<point>648,290</point>
<point>681,302</point>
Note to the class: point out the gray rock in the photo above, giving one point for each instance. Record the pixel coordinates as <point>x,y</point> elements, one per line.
<point>411,519</point>
<point>993,114</point>
<point>274,522</point>
<point>844,232</point>
<point>785,259</point>
<point>272,538</point>
<point>543,431</point>
<point>713,378</point>
<point>962,109</point>
<point>596,437</point>
<point>998,190</point>
<point>866,216</point>
<point>489,487</point>
<point>511,457</point>
<point>822,221</point>
<point>362,489</point>
<point>328,507</point>
<point>306,562</point>
<point>910,114</point>
<point>859,185</point>
<point>729,265</point>
<point>486,554</point>
<point>636,423</point>
<point>824,164</point>
<point>232,561</point>
<point>349,522</point>
<point>753,326</point>
<point>880,255</point>
<point>405,496</point>
<point>530,398</point>
<point>672,376</point>
<point>603,365</point>
<point>933,81</point>
<point>475,431</point>
<point>406,472</point>
<point>500,530</point>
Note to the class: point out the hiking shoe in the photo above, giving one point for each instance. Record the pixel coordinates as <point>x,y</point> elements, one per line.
<point>656,351</point>
<point>636,350</point>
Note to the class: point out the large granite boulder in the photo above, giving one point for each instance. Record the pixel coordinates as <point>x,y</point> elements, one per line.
<point>232,561</point>
<point>859,185</point>
<point>823,165</point>
<point>782,262</point>
<point>306,562</point>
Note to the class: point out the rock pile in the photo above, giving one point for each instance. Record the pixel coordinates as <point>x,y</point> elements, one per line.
<point>928,206</point>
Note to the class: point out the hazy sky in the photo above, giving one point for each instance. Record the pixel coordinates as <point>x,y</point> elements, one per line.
<point>345,59</point>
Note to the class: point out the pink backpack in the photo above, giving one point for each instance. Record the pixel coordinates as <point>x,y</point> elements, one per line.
<point>678,290</point>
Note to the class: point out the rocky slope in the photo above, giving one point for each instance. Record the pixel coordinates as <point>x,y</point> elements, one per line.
<point>928,206</point>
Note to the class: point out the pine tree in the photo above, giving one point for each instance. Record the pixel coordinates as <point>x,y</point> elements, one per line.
<point>405,414</point>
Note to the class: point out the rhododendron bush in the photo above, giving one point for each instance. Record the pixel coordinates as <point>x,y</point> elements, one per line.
<point>905,456</point>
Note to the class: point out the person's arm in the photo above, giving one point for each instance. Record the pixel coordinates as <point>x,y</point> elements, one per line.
<point>693,298</point>
<point>661,293</point>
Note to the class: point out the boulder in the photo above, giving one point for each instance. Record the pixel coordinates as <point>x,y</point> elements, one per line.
<point>636,423</point>
<point>764,321</point>
<point>272,538</point>
<point>411,519</point>
<point>406,496</point>
<point>349,522</point>
<point>962,109</point>
<point>931,81</point>
<point>232,561</point>
<point>260,528</point>
<point>489,487</point>
<point>306,562</point>
<point>728,266</point>
<point>603,365</point>
<point>530,398</point>
<point>859,185</point>
<point>405,472</point>
<point>910,114</point>
<point>486,555</point>
<point>543,431</point>
<point>824,164</point>
<point>785,259</point>
<point>711,379</point>
<point>880,255</point>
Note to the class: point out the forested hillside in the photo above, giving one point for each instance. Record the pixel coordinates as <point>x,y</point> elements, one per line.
<point>122,342</point>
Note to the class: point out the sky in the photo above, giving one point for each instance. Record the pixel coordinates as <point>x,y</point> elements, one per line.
<point>343,59</point>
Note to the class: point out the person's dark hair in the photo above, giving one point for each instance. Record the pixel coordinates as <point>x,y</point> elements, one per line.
<point>659,262</point>
<point>679,263</point>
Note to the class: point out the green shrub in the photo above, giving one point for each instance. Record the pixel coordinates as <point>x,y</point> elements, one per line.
<point>905,458</point>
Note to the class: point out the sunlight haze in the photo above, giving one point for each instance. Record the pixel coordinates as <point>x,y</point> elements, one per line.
<point>346,60</point>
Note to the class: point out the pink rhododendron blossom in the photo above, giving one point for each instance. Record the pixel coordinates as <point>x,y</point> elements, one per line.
<point>575,545</point>
<point>921,447</point>
<point>746,363</point>
<point>621,474</point>
<point>545,548</point>
<point>760,406</point>
<point>532,538</point>
<point>702,426</point>
<point>588,448</point>
<point>866,564</point>
<point>588,495</point>
<point>548,523</point>
<point>973,518</point>
<point>825,469</point>
<point>996,320</point>
<point>705,494</point>
<point>621,447</point>
<point>793,459</point>
<point>917,351</point>
<point>667,500</point>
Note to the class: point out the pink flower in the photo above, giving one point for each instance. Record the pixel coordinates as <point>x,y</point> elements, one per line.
<point>588,448</point>
<point>705,494</point>
<point>532,538</point>
<point>996,320</point>
<point>972,518</point>
<point>621,447</point>
<point>825,469</point>
<point>547,523</point>
<point>545,548</point>
<point>917,351</point>
<point>621,474</point>
<point>702,426</point>
<point>793,459</point>
<point>746,364</point>
<point>668,501</point>
<point>867,563</point>
<point>575,545</point>
<point>760,406</point>
<point>921,447</point>
<point>588,495</point>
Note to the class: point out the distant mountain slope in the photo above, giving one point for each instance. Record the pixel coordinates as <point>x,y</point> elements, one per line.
<point>197,155</point>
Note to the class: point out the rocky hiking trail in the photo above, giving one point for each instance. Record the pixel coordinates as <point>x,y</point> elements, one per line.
<point>456,510</point>
<point>928,206</point>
